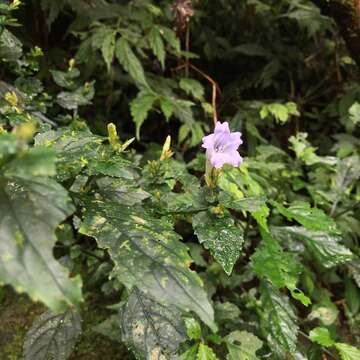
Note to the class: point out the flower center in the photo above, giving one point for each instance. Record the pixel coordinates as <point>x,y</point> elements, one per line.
<point>219,148</point>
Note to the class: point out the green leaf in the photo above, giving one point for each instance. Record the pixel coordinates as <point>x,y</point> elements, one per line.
<point>123,190</point>
<point>348,352</point>
<point>311,218</point>
<point>108,48</point>
<point>251,204</point>
<point>31,207</point>
<point>354,113</point>
<point>305,152</point>
<point>157,45</point>
<point>52,336</point>
<point>281,112</point>
<point>242,345</point>
<point>352,296</point>
<point>65,79</point>
<point>325,247</point>
<point>278,320</point>
<point>193,329</point>
<point>190,354</point>
<point>279,267</point>
<point>171,38</point>
<point>129,61</point>
<point>10,46</point>
<point>140,108</point>
<point>38,161</point>
<point>148,254</point>
<point>220,236</point>
<point>80,97</point>
<point>167,107</point>
<point>74,149</point>
<point>192,87</point>
<point>109,164</point>
<point>321,336</point>
<point>205,353</point>
<point>152,330</point>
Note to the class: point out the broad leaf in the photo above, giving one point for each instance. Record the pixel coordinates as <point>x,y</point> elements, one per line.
<point>52,336</point>
<point>242,345</point>
<point>152,330</point>
<point>321,336</point>
<point>220,236</point>
<point>278,320</point>
<point>148,254</point>
<point>121,190</point>
<point>31,207</point>
<point>311,218</point>
<point>74,148</point>
<point>325,247</point>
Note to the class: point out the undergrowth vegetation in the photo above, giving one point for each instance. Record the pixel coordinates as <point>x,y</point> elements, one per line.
<point>105,189</point>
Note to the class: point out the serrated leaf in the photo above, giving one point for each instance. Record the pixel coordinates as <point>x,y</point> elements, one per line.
<point>192,87</point>
<point>148,254</point>
<point>65,79</point>
<point>80,97</point>
<point>152,330</point>
<point>278,320</point>
<point>242,345</point>
<point>52,336</point>
<point>129,61</point>
<point>157,45</point>
<point>321,336</point>
<point>311,218</point>
<point>167,107</point>
<point>220,236</point>
<point>121,190</point>
<point>170,37</point>
<point>205,353</point>
<point>108,48</point>
<point>111,165</point>
<point>74,149</point>
<point>271,262</point>
<point>140,108</point>
<point>348,352</point>
<point>31,207</point>
<point>325,247</point>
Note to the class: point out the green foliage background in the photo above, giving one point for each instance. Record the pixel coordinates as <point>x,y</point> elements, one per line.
<point>263,264</point>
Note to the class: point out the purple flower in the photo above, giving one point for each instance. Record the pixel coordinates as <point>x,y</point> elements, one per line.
<point>221,146</point>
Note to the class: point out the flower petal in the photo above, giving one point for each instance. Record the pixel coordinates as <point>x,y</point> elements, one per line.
<point>222,127</point>
<point>219,159</point>
<point>234,141</point>
<point>208,141</point>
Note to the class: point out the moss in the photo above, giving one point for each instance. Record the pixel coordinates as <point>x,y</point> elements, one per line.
<point>17,313</point>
